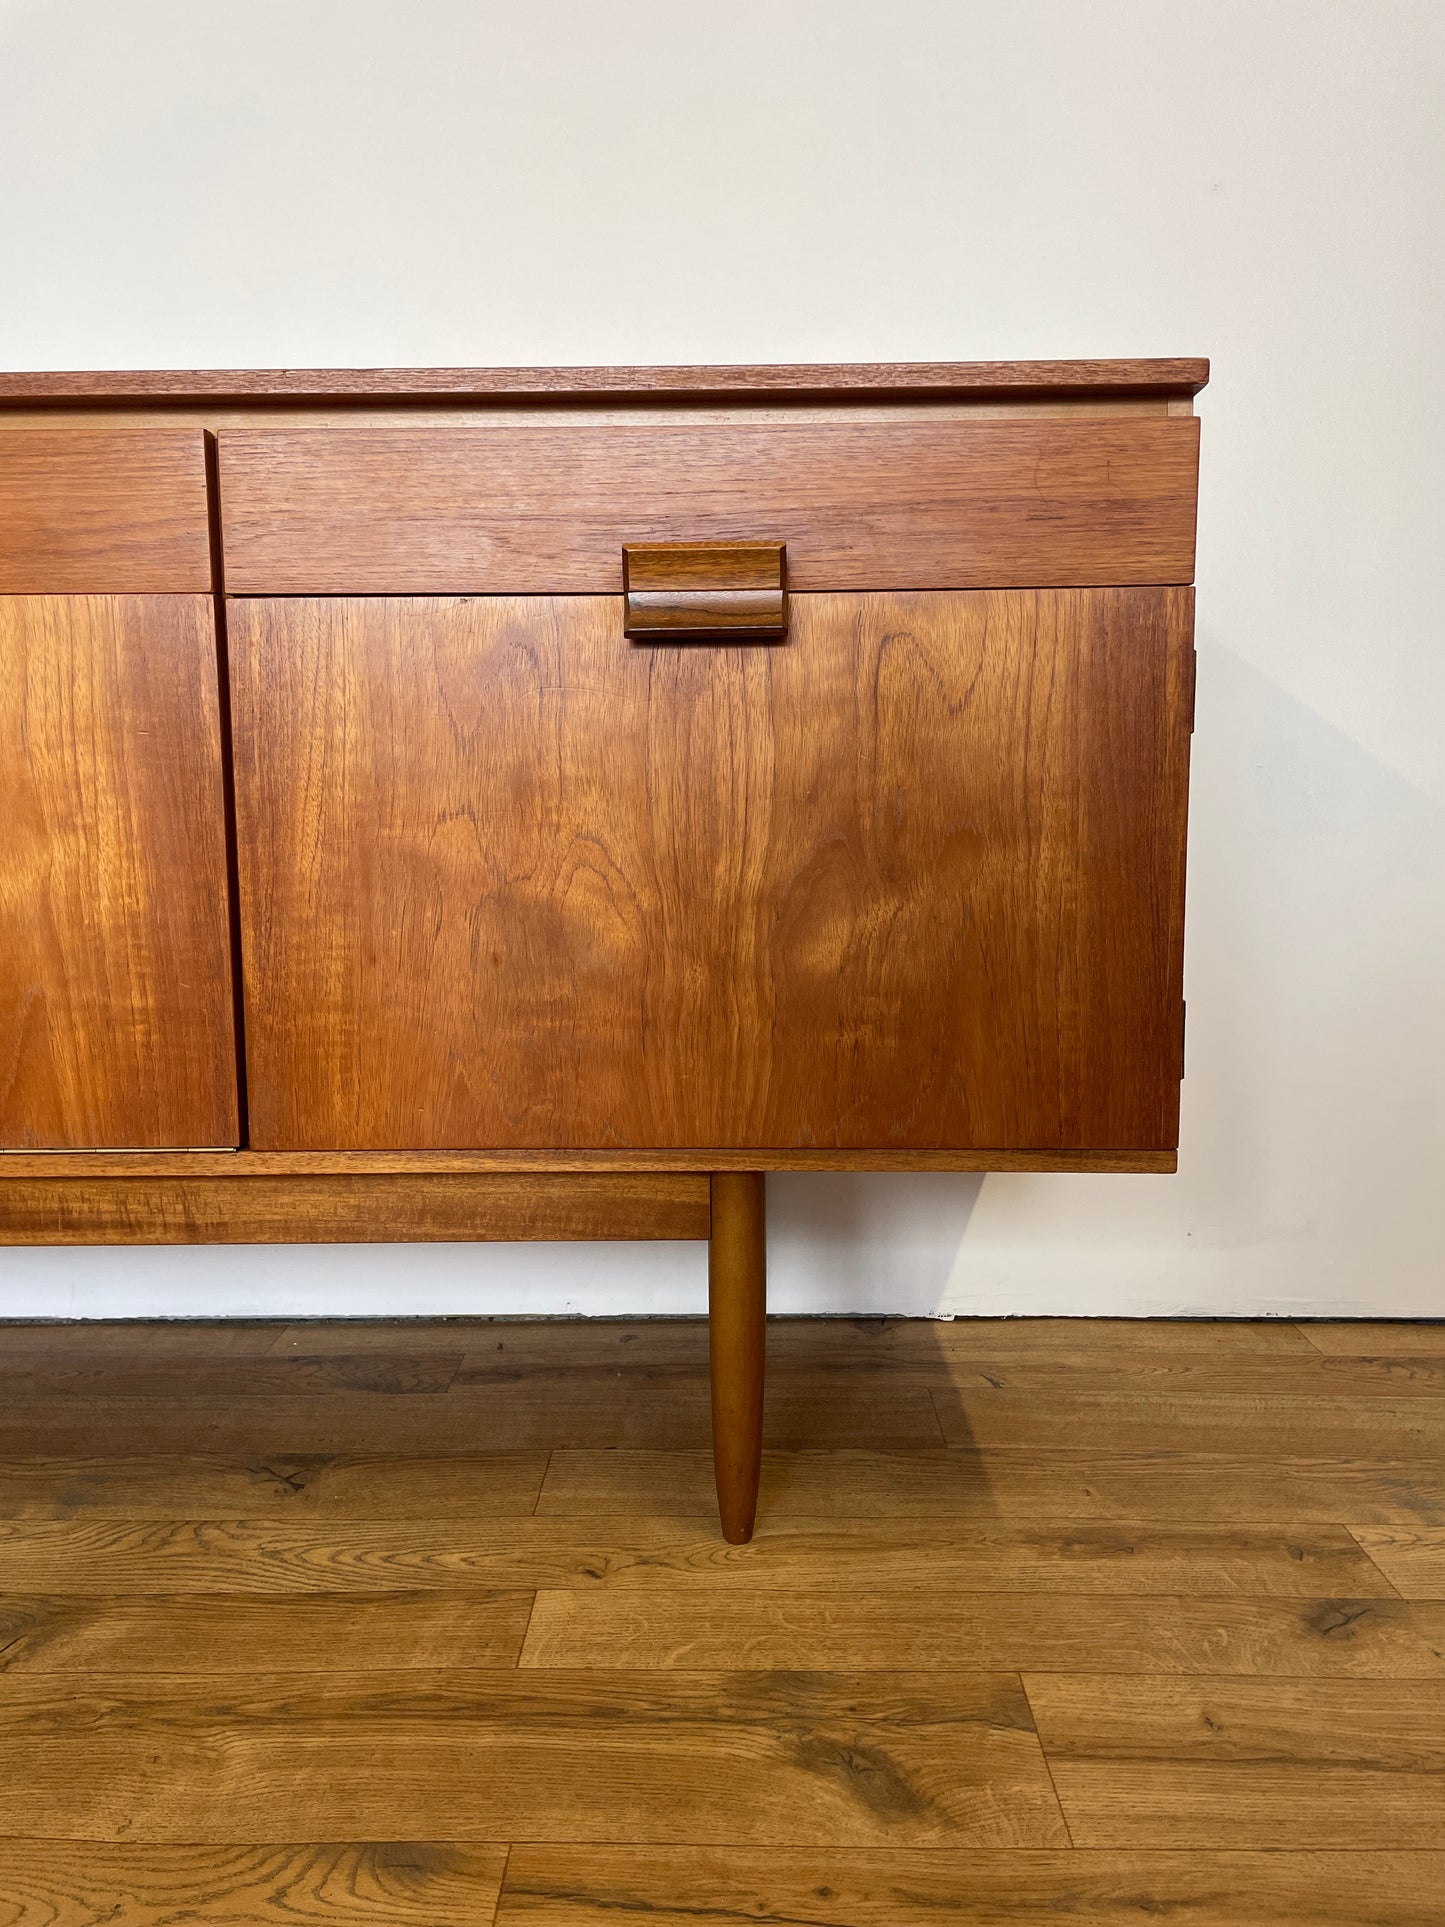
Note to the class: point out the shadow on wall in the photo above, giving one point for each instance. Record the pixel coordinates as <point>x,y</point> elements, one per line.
<point>870,1242</point>
<point>1312,1139</point>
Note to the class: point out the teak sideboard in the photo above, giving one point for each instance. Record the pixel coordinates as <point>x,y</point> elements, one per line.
<point>473,804</point>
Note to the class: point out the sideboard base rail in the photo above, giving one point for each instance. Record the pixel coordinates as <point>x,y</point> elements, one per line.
<point>367,1208</point>
<point>696,1159</point>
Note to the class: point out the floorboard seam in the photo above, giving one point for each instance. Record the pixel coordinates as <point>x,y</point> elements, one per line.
<point>938,1421</point>
<point>1048,1763</point>
<point>542,1482</point>
<point>502,1886</point>
<point>1395,1590</point>
<point>526,1634</point>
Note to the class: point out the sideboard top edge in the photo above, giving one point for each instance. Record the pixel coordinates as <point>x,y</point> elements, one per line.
<point>813,382</point>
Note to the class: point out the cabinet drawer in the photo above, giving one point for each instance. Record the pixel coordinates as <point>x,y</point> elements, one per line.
<point>97,511</point>
<point>539,509</point>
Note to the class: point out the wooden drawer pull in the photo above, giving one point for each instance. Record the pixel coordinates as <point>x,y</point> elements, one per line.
<point>705,591</point>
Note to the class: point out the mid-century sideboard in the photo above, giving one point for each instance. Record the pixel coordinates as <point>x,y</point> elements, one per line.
<point>477,804</point>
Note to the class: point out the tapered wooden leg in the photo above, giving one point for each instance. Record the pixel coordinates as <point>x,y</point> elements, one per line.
<point>737,1324</point>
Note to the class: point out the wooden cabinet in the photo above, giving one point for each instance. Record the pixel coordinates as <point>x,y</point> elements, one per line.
<point>353,819</point>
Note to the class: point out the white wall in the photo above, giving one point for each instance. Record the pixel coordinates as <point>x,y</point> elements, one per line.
<point>456,181</point>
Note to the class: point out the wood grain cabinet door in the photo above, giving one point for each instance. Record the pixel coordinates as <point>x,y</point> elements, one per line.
<point>910,879</point>
<point>116,1015</point>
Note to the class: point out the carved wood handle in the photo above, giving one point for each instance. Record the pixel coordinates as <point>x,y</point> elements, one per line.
<point>705,591</point>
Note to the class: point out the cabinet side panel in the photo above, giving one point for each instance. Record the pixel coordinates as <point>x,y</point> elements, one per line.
<point>116,1022</point>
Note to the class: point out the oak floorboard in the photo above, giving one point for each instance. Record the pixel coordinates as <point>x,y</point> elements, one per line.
<point>737,1758</point>
<point>864,1344</point>
<point>1022,1337</point>
<point>991,1632</point>
<point>1378,1338</point>
<point>1315,1426</point>
<point>323,1337</point>
<point>218,1633</point>
<point>1411,1557</point>
<point>1160,1374</point>
<point>561,1886</point>
<point>936,1348</point>
<point>388,1883</point>
<point>1014,1485</point>
<point>939,1354</point>
<point>1288,1764</point>
<point>515,1417</point>
<point>51,1374</point>
<point>147,1338</point>
<point>103,1556</point>
<point>378,1487</point>
<point>262,1602</point>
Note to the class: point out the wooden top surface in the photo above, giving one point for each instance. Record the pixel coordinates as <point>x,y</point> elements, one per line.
<point>816,381</point>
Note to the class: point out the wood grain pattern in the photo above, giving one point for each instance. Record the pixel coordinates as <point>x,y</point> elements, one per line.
<point>562,1886</point>
<point>349,1210</point>
<point>532,850</point>
<point>1179,376</point>
<point>544,510</point>
<point>1015,1487</point>
<point>719,1759</point>
<point>655,1553</point>
<point>1019,1483</point>
<point>218,1634</point>
<point>324,1647</point>
<point>395,1374</point>
<point>992,1632</point>
<point>1246,1763</point>
<point>1372,1338</point>
<point>1417,1375</point>
<point>1267,1425</point>
<point>1046,1357</point>
<point>388,1883</point>
<point>84,1338</point>
<point>116,1020</point>
<point>704,591</point>
<point>85,512</point>
<point>941,1347</point>
<point>631,1411</point>
<point>255,1485</point>
<point>1412,1556</point>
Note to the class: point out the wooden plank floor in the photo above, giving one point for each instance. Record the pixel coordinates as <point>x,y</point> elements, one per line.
<point>430,1624</point>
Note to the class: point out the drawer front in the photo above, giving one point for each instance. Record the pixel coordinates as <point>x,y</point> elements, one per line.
<point>913,879</point>
<point>98,511</point>
<point>510,510</point>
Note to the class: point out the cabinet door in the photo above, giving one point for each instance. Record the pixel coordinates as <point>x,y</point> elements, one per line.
<point>910,879</point>
<point>116,1018</point>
